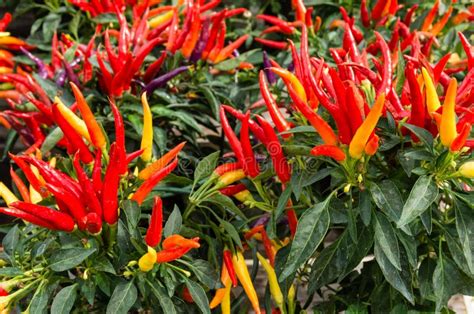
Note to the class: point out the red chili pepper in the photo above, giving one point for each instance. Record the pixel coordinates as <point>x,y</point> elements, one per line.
<point>372,145</point>
<point>249,158</point>
<point>280,164</point>
<point>233,189</point>
<point>88,192</point>
<point>166,256</point>
<point>254,127</point>
<point>227,167</point>
<point>364,13</point>
<point>329,151</point>
<point>58,219</point>
<point>280,122</point>
<point>296,61</point>
<point>409,15</point>
<point>172,33</point>
<point>110,187</point>
<point>355,106</point>
<point>234,142</point>
<point>292,219</point>
<point>4,21</point>
<point>119,137</point>
<point>30,176</point>
<point>187,295</point>
<point>216,22</point>
<point>154,68</point>
<point>210,5</point>
<point>72,203</point>
<point>280,45</point>
<point>418,108</point>
<point>387,69</point>
<point>283,25</point>
<point>142,192</point>
<point>468,49</point>
<point>430,17</point>
<point>74,139</point>
<point>97,172</point>
<point>28,217</point>
<point>193,36</point>
<point>257,229</point>
<point>153,234</point>
<point>321,126</point>
<point>267,244</point>
<point>460,140</point>
<point>219,43</point>
<point>22,188</point>
<point>226,52</point>
<point>176,240</point>
<point>378,9</point>
<point>227,256</point>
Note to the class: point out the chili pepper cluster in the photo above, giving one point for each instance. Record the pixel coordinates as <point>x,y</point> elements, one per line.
<point>347,135</point>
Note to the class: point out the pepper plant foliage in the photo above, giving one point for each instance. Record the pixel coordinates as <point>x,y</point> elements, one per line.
<point>163,146</point>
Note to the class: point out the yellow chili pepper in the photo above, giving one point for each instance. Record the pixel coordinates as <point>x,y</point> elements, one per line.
<point>447,127</point>
<point>275,290</point>
<point>76,123</point>
<point>432,99</point>
<point>467,169</point>
<point>161,19</point>
<point>290,78</point>
<point>244,196</point>
<point>7,195</point>
<point>147,137</point>
<point>35,196</point>
<point>148,260</point>
<point>362,135</point>
<point>244,277</point>
<point>229,178</point>
<point>225,305</point>
<point>220,293</point>
<point>93,127</point>
<point>291,299</point>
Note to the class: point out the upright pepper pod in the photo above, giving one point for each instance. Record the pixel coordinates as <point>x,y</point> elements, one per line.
<point>250,162</point>
<point>160,163</point>
<point>221,292</point>
<point>227,256</point>
<point>447,128</point>
<point>153,234</point>
<point>362,135</point>
<point>147,137</point>
<point>432,100</point>
<point>148,260</point>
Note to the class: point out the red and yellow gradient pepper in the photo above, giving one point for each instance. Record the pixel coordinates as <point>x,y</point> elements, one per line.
<point>447,128</point>
<point>148,260</point>
<point>363,133</point>
<point>244,277</point>
<point>221,293</point>
<point>74,121</point>
<point>147,137</point>
<point>432,100</point>
<point>94,130</point>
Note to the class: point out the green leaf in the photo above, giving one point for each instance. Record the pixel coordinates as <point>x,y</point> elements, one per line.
<point>64,300</point>
<point>165,302</point>
<point>311,230</point>
<point>199,296</point>
<point>173,224</point>
<point>123,298</point>
<point>212,100</point>
<point>400,280</point>
<point>423,193</point>
<point>387,197</point>
<point>132,212</point>
<point>226,202</point>
<point>40,299</point>
<point>102,263</point>
<point>386,238</point>
<point>206,166</point>
<point>11,241</point>
<point>50,24</point>
<point>421,133</point>
<point>365,207</point>
<point>65,259</point>
<point>205,273</point>
<point>339,258</point>
<point>465,230</point>
<point>400,72</point>
<point>230,229</point>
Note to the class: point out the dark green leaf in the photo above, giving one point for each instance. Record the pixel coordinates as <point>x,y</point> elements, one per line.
<point>232,232</point>
<point>423,193</point>
<point>199,296</point>
<point>421,133</point>
<point>312,228</point>
<point>465,229</point>
<point>386,239</point>
<point>174,222</point>
<point>387,197</point>
<point>123,298</point>
<point>205,273</point>
<point>165,302</point>
<point>65,259</point>
<point>206,166</point>
<point>64,300</point>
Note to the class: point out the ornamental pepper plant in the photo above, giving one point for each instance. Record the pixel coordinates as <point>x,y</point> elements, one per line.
<point>236,157</point>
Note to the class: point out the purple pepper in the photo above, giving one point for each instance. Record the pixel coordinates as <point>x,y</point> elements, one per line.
<point>201,44</point>
<point>163,79</point>
<point>62,76</point>
<point>266,67</point>
<point>291,67</point>
<point>70,73</point>
<point>42,70</point>
<point>262,220</point>
<point>235,53</point>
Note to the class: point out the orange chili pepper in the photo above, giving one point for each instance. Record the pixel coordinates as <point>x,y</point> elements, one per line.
<point>447,131</point>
